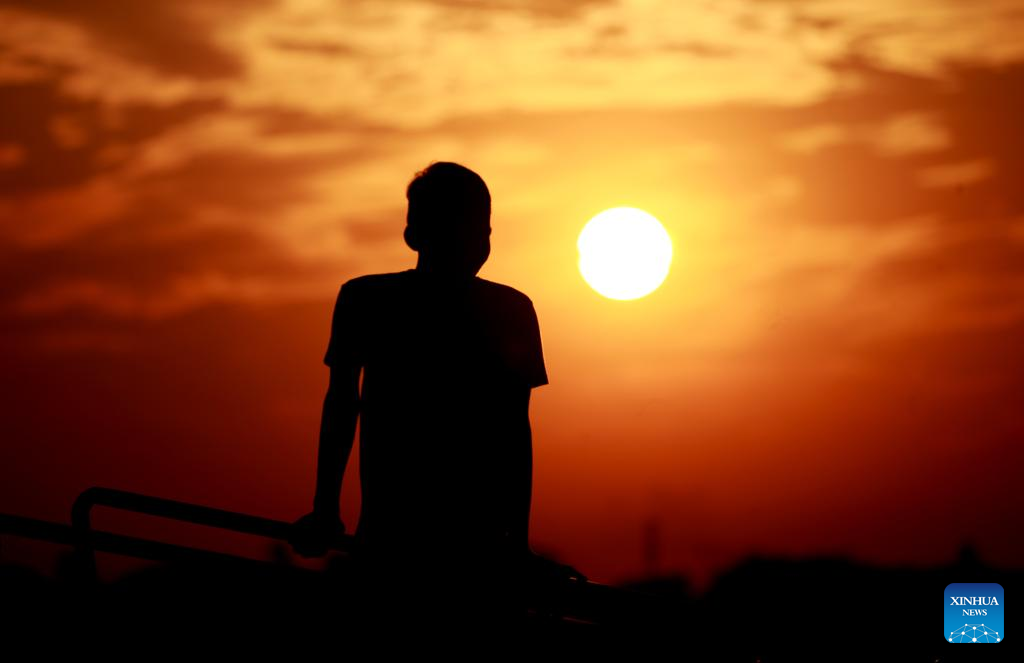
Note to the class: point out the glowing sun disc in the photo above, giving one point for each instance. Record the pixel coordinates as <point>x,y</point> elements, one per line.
<point>625,253</point>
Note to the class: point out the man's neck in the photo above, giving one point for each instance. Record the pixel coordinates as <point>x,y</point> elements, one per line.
<point>440,274</point>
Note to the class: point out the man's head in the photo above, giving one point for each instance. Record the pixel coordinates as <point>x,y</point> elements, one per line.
<point>449,218</point>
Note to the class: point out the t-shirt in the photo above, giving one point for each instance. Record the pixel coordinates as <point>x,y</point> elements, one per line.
<point>447,370</point>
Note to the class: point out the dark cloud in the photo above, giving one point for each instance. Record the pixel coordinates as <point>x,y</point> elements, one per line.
<point>967,270</point>
<point>283,120</point>
<point>158,241</point>
<point>699,49</point>
<point>979,107</point>
<point>102,138</point>
<point>323,48</point>
<point>554,9</point>
<point>173,37</point>
<point>610,40</point>
<point>821,23</point>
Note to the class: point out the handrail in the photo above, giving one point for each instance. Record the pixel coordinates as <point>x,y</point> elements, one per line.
<point>120,544</point>
<point>184,511</point>
<point>81,523</point>
<point>576,597</point>
<point>32,528</point>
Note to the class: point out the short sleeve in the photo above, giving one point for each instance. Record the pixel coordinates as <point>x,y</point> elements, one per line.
<point>344,345</point>
<point>535,371</point>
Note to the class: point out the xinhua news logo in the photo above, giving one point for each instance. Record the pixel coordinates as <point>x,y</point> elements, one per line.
<point>973,612</point>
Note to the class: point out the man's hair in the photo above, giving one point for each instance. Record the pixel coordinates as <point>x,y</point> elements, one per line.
<point>445,197</point>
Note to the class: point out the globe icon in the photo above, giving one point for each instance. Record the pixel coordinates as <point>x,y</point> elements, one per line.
<point>973,633</point>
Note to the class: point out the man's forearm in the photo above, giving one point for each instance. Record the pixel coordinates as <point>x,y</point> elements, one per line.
<point>520,490</point>
<point>337,430</point>
<point>519,521</point>
<point>520,487</point>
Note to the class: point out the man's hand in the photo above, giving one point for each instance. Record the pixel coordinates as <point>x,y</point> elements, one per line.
<point>549,571</point>
<point>315,533</point>
<point>521,558</point>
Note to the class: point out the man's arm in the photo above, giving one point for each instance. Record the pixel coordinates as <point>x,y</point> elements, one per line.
<point>337,433</point>
<point>529,357</point>
<point>521,484</point>
<point>313,534</point>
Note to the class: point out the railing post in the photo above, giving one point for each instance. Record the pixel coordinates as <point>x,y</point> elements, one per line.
<point>84,556</point>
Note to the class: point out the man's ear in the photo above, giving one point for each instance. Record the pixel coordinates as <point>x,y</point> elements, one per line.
<point>412,239</point>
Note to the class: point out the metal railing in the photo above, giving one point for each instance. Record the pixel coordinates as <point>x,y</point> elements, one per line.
<point>86,539</point>
<point>578,599</point>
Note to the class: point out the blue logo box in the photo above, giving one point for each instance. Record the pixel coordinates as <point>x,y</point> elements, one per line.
<point>973,613</point>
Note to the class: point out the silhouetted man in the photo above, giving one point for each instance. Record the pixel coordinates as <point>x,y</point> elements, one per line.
<point>448,361</point>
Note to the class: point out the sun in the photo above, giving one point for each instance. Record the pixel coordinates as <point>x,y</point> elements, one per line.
<point>625,253</point>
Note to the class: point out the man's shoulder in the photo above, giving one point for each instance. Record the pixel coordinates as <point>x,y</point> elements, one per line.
<point>504,292</point>
<point>374,281</point>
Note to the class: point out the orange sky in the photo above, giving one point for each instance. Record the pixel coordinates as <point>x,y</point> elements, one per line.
<point>833,366</point>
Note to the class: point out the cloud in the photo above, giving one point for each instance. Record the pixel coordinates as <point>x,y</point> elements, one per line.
<point>956,174</point>
<point>558,9</point>
<point>203,230</point>
<point>935,134</point>
<point>180,295</point>
<point>65,141</point>
<point>930,156</point>
<point>177,38</point>
<point>322,48</point>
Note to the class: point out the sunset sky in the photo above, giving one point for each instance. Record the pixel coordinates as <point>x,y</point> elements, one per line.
<point>834,365</point>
